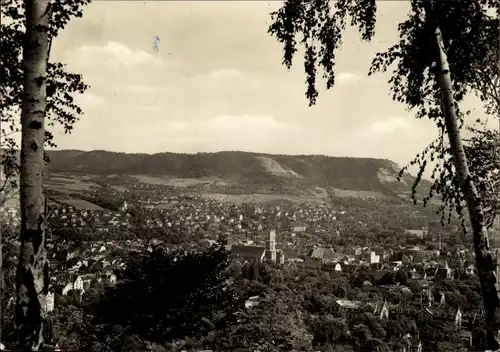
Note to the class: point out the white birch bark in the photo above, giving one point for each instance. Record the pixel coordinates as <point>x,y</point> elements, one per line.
<point>484,260</point>
<point>32,276</point>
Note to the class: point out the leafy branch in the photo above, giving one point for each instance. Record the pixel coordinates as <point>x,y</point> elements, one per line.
<point>61,86</point>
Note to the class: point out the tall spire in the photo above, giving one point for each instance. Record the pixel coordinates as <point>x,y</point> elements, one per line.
<point>271,246</point>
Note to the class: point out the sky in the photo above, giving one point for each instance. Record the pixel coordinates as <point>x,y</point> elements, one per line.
<point>217,83</point>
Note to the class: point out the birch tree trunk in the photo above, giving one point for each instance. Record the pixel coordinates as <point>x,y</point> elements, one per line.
<point>484,260</point>
<point>32,274</point>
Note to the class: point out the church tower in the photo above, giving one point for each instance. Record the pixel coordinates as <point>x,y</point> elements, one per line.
<point>271,247</point>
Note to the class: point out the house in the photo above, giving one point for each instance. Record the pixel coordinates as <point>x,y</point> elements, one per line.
<point>332,267</point>
<point>349,305</point>
<point>252,302</point>
<point>430,274</point>
<point>308,263</point>
<point>406,343</point>
<point>374,258</point>
<point>444,273</point>
<point>87,279</point>
<point>350,268</point>
<point>466,336</point>
<point>49,302</point>
<point>442,298</point>
<point>384,312</point>
<point>458,318</point>
<point>423,254</point>
<point>68,287</point>
<point>109,278</point>
<point>323,254</point>
<point>280,257</point>
<point>422,233</point>
<point>470,270</point>
<point>298,229</point>
<point>78,284</point>
<point>248,253</point>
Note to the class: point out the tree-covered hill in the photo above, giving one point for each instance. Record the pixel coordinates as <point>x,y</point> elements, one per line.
<point>294,171</point>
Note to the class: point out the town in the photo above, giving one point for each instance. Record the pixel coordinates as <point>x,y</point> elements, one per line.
<point>88,247</point>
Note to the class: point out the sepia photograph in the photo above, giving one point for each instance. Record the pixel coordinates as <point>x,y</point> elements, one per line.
<point>250,175</point>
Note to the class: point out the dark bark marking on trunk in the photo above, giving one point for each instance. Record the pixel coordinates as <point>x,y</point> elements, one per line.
<point>36,125</point>
<point>34,146</point>
<point>36,239</point>
<point>29,306</point>
<point>39,81</point>
<point>46,278</point>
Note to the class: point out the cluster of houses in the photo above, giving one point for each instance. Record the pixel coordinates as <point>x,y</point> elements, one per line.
<point>75,271</point>
<point>421,263</point>
<point>425,266</point>
<point>98,220</point>
<point>411,343</point>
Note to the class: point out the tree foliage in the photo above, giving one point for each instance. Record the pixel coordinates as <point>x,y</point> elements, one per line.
<point>276,323</point>
<point>62,85</point>
<point>484,159</point>
<point>166,296</point>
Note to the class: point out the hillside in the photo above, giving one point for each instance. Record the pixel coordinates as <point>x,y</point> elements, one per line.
<point>265,173</point>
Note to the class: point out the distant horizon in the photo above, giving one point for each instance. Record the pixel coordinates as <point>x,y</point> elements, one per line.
<point>216,152</point>
<point>410,170</point>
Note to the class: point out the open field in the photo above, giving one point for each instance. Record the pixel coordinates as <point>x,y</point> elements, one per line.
<point>209,187</point>
<point>79,204</point>
<point>357,194</point>
<point>68,183</point>
<point>178,182</point>
<point>259,198</point>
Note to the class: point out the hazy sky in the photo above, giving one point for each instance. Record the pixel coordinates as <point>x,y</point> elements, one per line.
<point>217,83</point>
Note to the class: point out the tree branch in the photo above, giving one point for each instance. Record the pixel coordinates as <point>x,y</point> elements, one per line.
<point>4,184</point>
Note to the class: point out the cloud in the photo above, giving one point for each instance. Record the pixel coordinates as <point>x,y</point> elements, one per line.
<point>226,123</point>
<point>390,125</point>
<point>154,134</point>
<point>142,89</point>
<point>226,73</point>
<point>118,54</point>
<point>348,77</point>
<point>225,132</point>
<point>217,76</point>
<point>150,108</point>
<point>88,100</point>
<point>244,123</point>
